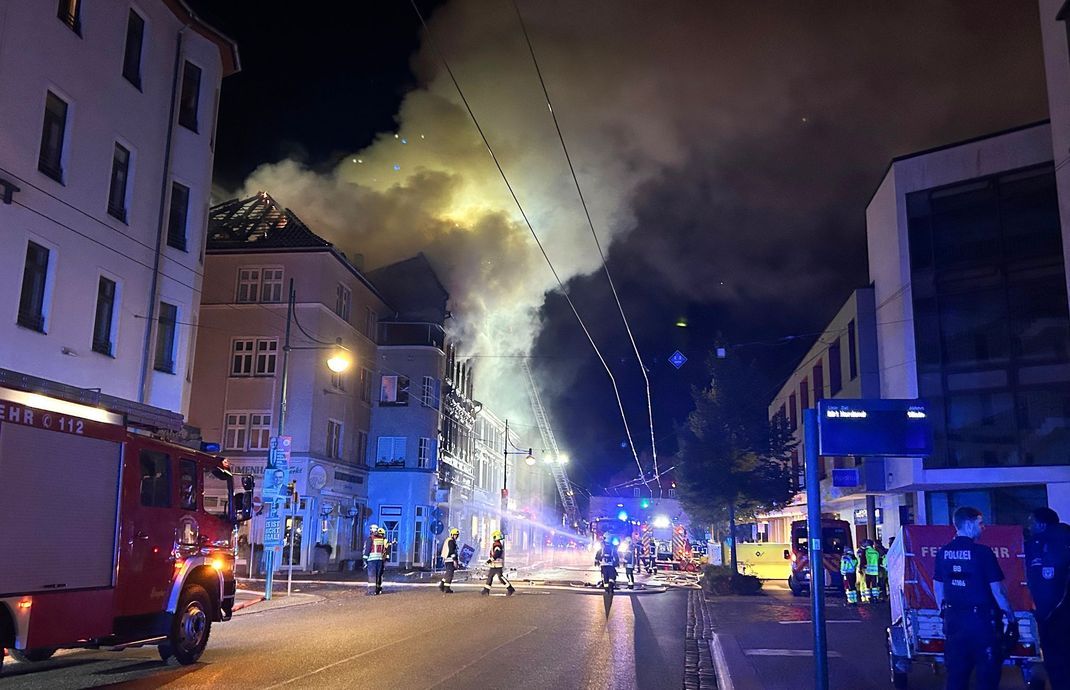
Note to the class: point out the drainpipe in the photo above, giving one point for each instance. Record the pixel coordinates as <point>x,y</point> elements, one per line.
<point>143,384</point>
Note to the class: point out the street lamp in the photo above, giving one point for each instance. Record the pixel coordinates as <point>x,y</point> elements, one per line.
<point>529,458</point>
<point>338,361</point>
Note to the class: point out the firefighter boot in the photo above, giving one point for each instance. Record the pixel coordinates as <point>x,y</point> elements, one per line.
<point>509,592</point>
<point>485,592</point>
<point>442,585</point>
<point>448,590</point>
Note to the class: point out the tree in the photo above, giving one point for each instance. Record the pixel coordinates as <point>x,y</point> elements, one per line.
<point>734,461</point>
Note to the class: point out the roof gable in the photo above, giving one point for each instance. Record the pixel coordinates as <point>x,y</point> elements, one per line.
<point>258,222</point>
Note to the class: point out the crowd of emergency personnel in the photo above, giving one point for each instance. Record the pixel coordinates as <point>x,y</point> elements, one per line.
<point>871,563</point>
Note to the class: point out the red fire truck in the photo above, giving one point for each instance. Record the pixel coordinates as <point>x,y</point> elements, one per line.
<point>112,538</point>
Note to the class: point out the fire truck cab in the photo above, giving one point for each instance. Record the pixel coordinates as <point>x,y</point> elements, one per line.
<point>112,538</point>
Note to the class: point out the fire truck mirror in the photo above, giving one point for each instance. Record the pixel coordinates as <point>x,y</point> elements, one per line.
<point>243,503</point>
<point>247,483</point>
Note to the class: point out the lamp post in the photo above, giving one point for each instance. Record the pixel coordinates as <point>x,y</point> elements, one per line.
<point>528,458</point>
<point>339,361</point>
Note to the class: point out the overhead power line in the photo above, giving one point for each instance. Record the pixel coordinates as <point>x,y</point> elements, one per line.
<point>597,243</point>
<point>523,214</point>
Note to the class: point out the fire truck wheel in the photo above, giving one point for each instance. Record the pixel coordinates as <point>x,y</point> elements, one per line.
<point>32,655</point>
<point>191,625</point>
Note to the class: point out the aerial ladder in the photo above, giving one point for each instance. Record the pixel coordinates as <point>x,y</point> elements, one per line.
<point>557,469</point>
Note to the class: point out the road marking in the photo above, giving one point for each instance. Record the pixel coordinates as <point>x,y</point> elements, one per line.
<point>484,655</point>
<point>808,622</point>
<point>785,652</point>
<point>348,659</point>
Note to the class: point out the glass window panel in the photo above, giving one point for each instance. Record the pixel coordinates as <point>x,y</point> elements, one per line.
<point>981,430</point>
<point>974,328</point>
<point>1044,419</point>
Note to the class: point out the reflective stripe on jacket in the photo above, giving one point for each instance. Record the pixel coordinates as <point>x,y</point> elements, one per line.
<point>377,549</point>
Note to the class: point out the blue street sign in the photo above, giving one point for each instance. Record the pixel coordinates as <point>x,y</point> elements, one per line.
<point>436,527</point>
<point>677,359</point>
<point>436,513</point>
<point>845,477</point>
<point>874,427</point>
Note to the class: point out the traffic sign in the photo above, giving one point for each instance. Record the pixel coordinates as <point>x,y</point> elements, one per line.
<point>436,513</point>
<point>677,359</point>
<point>436,527</point>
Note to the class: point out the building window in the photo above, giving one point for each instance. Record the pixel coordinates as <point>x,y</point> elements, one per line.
<point>248,284</point>
<point>176,224</point>
<point>334,438</point>
<point>343,301</point>
<point>259,430</point>
<point>191,96</point>
<point>338,381</point>
<point>426,456</point>
<point>105,315</point>
<point>120,172</point>
<point>835,368</point>
<point>804,394</point>
<point>362,447</point>
<point>267,350</point>
<point>1001,506</point>
<point>852,350</point>
<point>819,382</point>
<point>236,431</point>
<point>135,38</point>
<point>371,320</point>
<point>672,493</point>
<point>53,135</point>
<point>390,451</point>
<point>365,385</point>
<point>34,283</point>
<point>636,492</point>
<point>394,390</point>
<point>241,357</point>
<point>165,338</point>
<point>271,287</point>
<point>430,394</point>
<point>70,13</point>
<point>793,413</point>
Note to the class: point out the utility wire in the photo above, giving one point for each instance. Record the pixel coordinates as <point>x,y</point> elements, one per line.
<point>597,243</point>
<point>501,171</point>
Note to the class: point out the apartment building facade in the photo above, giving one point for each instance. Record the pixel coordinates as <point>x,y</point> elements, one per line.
<point>256,250</point>
<point>107,132</point>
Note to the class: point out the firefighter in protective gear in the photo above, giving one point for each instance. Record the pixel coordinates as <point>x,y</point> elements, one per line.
<point>497,565</point>
<point>651,557</point>
<point>608,559</point>
<point>628,558</point>
<point>376,551</point>
<point>451,560</point>
<point>849,571</point>
<point>872,568</point>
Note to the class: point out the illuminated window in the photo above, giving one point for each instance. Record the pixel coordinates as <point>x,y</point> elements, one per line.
<point>70,13</point>
<point>394,391</point>
<point>235,431</point>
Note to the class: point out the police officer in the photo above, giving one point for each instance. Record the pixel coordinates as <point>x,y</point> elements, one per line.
<point>497,564</point>
<point>969,589</point>
<point>1047,572</point>
<point>451,559</point>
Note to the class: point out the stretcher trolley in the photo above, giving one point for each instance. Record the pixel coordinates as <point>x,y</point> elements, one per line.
<point>916,634</point>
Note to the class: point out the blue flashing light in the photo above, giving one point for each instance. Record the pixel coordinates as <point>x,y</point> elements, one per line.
<point>209,447</point>
<point>616,541</point>
<point>622,516</point>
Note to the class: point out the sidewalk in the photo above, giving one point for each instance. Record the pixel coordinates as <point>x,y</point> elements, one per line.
<point>250,601</point>
<point>766,642</point>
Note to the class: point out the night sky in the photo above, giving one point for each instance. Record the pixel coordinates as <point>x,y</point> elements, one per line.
<point>727,149</point>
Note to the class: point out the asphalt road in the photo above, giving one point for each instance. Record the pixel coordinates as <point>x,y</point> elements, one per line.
<point>412,637</point>
<point>767,643</point>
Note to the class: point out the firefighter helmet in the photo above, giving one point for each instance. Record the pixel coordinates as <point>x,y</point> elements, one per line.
<point>454,532</point>
<point>496,534</point>
<point>373,529</point>
<point>381,532</point>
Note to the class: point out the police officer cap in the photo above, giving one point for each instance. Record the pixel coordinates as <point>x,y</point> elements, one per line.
<point>1046,516</point>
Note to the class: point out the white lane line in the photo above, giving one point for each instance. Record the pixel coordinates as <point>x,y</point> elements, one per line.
<point>808,622</point>
<point>484,655</point>
<point>785,652</point>
<point>349,658</point>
